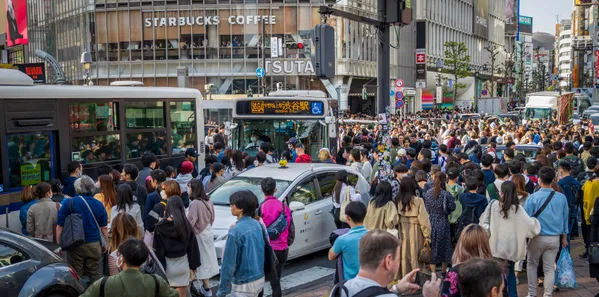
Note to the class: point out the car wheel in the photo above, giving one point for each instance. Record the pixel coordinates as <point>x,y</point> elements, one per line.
<point>60,294</point>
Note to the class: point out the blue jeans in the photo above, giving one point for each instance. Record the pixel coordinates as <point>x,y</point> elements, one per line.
<point>571,223</point>
<point>511,280</point>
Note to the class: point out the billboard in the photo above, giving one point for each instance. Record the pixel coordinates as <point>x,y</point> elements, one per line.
<point>512,11</point>
<point>16,22</point>
<point>37,71</point>
<point>525,24</point>
<point>480,26</point>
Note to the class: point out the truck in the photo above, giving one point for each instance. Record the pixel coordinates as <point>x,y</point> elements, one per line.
<point>547,105</point>
<point>491,106</point>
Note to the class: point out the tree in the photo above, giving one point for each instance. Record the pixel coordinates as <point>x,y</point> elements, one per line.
<point>457,60</point>
<point>539,74</point>
<point>493,51</point>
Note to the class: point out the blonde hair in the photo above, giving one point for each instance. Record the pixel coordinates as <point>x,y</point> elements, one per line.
<point>123,227</point>
<point>27,194</point>
<point>473,243</point>
<point>324,155</point>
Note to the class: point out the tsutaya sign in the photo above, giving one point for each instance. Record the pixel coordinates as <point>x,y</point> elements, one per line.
<point>209,20</point>
<point>278,67</point>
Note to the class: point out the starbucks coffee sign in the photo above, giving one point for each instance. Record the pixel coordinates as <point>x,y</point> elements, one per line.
<point>209,20</point>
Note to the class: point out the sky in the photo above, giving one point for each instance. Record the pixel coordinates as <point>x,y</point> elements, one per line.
<point>544,13</point>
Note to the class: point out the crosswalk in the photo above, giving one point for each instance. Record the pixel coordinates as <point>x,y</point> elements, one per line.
<point>293,280</point>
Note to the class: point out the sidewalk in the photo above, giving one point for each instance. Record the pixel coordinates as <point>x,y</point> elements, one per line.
<point>586,286</point>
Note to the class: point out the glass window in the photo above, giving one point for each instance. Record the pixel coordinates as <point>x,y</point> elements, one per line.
<point>138,143</point>
<point>183,125</point>
<point>144,115</point>
<point>220,196</point>
<point>327,184</point>
<point>10,256</point>
<point>92,149</point>
<point>305,193</point>
<point>93,117</point>
<point>1,178</point>
<point>29,159</point>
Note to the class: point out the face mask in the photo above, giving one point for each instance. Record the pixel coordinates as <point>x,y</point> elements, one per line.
<point>163,195</point>
<point>290,147</point>
<point>189,191</point>
<point>253,139</point>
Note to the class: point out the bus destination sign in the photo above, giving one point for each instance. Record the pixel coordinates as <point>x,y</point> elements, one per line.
<point>280,107</point>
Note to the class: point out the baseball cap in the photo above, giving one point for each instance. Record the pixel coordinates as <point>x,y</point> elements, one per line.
<point>191,152</point>
<point>186,167</point>
<point>401,152</point>
<point>292,140</point>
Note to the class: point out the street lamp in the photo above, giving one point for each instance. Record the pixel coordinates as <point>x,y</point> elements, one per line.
<point>86,61</point>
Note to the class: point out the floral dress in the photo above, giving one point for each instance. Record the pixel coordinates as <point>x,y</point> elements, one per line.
<point>451,284</point>
<point>438,210</point>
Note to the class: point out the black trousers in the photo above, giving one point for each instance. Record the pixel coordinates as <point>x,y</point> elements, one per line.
<point>586,232</point>
<point>276,282</point>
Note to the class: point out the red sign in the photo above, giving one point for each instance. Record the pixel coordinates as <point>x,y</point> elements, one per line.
<point>16,22</point>
<point>597,66</point>
<point>420,58</point>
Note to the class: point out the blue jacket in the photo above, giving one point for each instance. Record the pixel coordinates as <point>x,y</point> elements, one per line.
<point>554,219</point>
<point>23,216</point>
<point>92,233</point>
<point>489,176</point>
<point>567,184</point>
<point>474,201</point>
<point>69,186</point>
<point>152,199</point>
<point>243,260</point>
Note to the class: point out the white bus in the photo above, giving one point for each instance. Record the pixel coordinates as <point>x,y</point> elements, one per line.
<point>44,127</point>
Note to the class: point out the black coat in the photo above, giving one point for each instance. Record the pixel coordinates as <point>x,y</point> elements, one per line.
<point>594,237</point>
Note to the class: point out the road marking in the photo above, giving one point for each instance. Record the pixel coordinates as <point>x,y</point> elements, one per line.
<point>293,280</point>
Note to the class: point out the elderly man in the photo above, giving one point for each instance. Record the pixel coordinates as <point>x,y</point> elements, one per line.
<point>86,258</point>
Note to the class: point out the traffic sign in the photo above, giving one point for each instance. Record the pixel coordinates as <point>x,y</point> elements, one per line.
<point>260,72</point>
<point>399,95</point>
<point>484,92</point>
<point>399,83</point>
<point>420,58</point>
<point>391,93</point>
<point>399,103</point>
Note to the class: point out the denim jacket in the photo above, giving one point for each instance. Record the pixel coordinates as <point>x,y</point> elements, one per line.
<point>243,259</point>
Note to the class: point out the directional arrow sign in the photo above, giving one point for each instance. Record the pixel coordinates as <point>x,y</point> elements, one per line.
<point>260,72</point>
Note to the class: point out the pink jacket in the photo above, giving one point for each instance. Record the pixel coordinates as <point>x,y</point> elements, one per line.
<point>270,210</point>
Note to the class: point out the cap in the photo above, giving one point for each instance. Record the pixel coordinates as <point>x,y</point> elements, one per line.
<point>456,150</point>
<point>186,167</point>
<point>191,152</point>
<point>401,152</point>
<point>499,140</point>
<point>292,140</point>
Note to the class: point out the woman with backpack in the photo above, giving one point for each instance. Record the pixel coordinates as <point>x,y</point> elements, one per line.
<point>125,204</point>
<point>508,226</point>
<point>201,217</point>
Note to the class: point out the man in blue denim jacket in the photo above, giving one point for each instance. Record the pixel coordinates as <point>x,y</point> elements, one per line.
<point>242,270</point>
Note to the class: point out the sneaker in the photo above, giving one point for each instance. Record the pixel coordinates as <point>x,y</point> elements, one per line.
<point>206,292</point>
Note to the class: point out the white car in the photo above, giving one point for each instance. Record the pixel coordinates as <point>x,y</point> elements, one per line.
<point>308,190</point>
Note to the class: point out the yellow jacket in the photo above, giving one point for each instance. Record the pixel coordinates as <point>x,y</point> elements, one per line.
<point>590,190</point>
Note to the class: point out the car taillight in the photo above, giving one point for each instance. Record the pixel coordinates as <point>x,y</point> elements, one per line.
<point>74,273</point>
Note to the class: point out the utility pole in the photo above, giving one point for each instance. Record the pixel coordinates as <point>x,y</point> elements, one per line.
<point>264,56</point>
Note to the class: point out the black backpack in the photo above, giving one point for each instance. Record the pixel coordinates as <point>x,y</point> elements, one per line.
<point>367,292</point>
<point>576,166</point>
<point>468,217</point>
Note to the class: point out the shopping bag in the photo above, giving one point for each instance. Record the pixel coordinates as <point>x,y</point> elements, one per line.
<point>564,274</point>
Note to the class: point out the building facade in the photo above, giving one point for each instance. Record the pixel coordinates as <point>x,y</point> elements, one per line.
<point>220,42</point>
<point>563,53</point>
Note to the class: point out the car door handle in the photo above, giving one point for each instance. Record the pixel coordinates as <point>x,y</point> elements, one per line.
<point>318,212</point>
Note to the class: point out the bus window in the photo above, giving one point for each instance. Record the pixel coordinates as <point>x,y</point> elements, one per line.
<point>139,143</point>
<point>144,115</point>
<point>99,148</point>
<point>93,117</point>
<point>182,122</point>
<point>1,178</point>
<point>30,159</point>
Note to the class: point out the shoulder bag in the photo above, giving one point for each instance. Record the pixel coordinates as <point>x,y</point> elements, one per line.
<point>487,223</point>
<point>102,238</point>
<point>346,200</point>
<point>540,211</point>
<point>73,234</point>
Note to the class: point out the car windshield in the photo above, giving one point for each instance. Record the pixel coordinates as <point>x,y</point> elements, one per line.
<point>538,113</point>
<point>220,195</point>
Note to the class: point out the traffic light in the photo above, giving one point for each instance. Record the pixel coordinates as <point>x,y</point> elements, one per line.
<point>324,51</point>
<point>294,45</point>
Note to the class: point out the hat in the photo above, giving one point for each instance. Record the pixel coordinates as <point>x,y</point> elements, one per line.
<point>499,140</point>
<point>401,152</point>
<point>191,152</point>
<point>456,150</point>
<point>186,167</point>
<point>292,140</point>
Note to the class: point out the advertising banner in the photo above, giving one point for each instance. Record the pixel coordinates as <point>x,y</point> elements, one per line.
<point>480,26</point>
<point>525,24</point>
<point>511,15</point>
<point>16,22</point>
<point>37,71</point>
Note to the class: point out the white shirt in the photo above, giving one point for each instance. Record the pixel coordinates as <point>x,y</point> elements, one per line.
<point>353,196</point>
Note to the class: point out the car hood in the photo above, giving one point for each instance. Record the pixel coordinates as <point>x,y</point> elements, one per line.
<point>223,219</point>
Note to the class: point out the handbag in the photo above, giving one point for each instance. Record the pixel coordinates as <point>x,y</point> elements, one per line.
<point>73,235</point>
<point>344,203</point>
<point>593,253</point>
<point>270,259</point>
<point>426,254</point>
<point>487,223</point>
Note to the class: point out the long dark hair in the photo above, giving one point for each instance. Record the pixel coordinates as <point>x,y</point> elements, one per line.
<point>341,177</point>
<point>216,168</point>
<point>124,197</point>
<point>383,194</point>
<point>175,209</point>
<point>407,191</point>
<point>237,160</point>
<point>197,190</point>
<point>509,198</point>
<point>440,182</point>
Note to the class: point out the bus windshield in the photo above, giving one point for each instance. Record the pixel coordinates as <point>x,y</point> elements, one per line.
<point>538,113</point>
<point>250,134</point>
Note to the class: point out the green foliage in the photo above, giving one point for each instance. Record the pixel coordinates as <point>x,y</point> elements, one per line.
<point>457,61</point>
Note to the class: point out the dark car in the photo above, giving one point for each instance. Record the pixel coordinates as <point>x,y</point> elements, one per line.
<point>528,150</point>
<point>28,267</point>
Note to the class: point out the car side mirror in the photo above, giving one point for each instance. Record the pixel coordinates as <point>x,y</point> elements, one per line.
<point>295,205</point>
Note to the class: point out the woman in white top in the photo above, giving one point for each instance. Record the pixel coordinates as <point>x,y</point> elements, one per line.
<point>509,226</point>
<point>124,204</point>
<point>343,193</point>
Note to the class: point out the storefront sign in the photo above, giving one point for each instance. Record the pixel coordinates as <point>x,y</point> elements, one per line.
<point>288,67</point>
<point>37,71</point>
<point>209,20</point>
<point>30,174</point>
